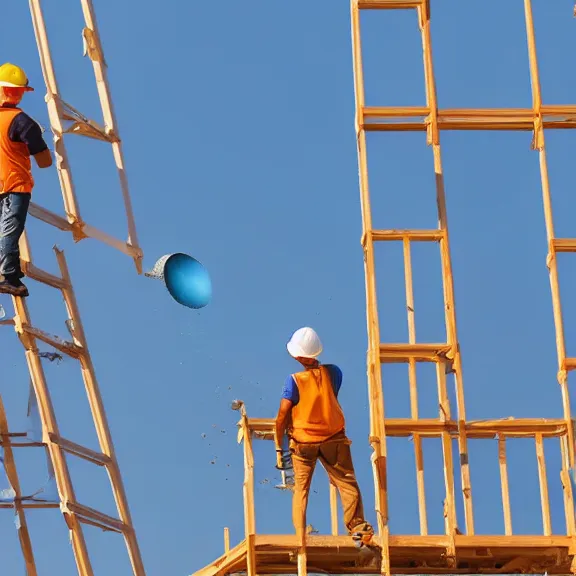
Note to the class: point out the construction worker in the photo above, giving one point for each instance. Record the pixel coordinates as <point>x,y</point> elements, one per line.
<point>311,416</point>
<point>20,138</point>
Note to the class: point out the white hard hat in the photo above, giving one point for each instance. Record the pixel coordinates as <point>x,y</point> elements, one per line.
<point>304,343</point>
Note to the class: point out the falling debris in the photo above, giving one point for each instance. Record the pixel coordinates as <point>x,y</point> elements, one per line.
<point>203,435</point>
<point>237,404</point>
<point>51,356</point>
<point>222,431</point>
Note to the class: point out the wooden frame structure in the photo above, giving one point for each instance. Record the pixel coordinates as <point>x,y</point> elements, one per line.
<point>58,448</point>
<point>65,119</point>
<point>459,549</point>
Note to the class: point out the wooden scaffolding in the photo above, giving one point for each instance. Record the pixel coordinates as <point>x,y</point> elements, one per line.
<point>64,119</point>
<point>459,549</point>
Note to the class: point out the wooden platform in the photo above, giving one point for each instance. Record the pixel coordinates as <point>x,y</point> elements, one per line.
<point>275,554</point>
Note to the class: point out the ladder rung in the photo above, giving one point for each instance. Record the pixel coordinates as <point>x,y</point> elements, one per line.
<point>388,4</point>
<point>49,217</point>
<point>42,276</point>
<point>413,235</point>
<point>68,348</point>
<point>25,504</point>
<point>80,451</point>
<point>88,515</point>
<point>564,244</point>
<point>395,111</point>
<point>390,353</point>
<point>569,363</point>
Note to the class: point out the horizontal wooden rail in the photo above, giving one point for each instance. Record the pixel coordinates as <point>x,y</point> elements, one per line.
<point>412,235</point>
<point>385,118</point>
<point>405,427</point>
<point>389,4</point>
<point>390,353</point>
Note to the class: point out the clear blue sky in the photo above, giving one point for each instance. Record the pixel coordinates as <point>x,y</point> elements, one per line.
<point>237,121</point>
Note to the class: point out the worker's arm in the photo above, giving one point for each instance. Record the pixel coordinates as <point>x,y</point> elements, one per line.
<point>281,422</point>
<point>43,159</point>
<point>27,131</point>
<point>280,430</point>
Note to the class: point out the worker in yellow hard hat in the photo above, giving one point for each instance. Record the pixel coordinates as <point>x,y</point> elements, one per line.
<point>20,138</point>
<point>314,421</point>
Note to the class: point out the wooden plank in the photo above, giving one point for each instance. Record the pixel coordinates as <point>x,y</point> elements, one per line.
<point>503,464</point>
<point>543,480</point>
<point>399,352</point>
<point>412,235</point>
<point>388,4</point>
<point>433,427</point>
<point>375,393</point>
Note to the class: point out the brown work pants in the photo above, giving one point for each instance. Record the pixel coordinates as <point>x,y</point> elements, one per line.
<point>336,458</point>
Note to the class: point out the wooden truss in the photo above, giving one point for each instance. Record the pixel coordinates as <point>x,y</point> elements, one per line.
<point>58,448</point>
<point>459,549</point>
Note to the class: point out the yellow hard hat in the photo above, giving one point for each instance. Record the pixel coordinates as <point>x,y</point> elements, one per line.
<point>13,76</point>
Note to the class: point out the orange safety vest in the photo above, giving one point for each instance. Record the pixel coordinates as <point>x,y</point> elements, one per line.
<point>15,165</point>
<point>318,415</point>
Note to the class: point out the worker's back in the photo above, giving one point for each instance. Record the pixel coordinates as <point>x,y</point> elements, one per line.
<point>317,416</point>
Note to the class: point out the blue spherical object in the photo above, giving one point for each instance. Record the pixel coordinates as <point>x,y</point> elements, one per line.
<point>187,281</point>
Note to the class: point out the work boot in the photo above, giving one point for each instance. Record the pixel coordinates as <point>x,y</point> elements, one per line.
<point>362,533</point>
<point>13,285</point>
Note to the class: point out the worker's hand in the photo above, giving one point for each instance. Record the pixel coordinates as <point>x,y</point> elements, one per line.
<point>279,460</point>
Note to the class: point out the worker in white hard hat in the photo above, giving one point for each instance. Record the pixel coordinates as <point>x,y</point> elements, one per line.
<point>20,138</point>
<point>311,416</point>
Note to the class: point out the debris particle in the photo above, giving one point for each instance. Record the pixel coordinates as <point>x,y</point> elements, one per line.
<point>203,435</point>
<point>51,356</point>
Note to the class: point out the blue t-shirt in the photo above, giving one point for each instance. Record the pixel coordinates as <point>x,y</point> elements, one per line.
<point>290,390</point>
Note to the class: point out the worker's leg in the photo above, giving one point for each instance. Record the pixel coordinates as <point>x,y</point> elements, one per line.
<point>336,457</point>
<point>304,458</point>
<point>13,213</point>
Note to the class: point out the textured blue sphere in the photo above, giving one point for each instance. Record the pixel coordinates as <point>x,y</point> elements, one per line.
<point>187,281</point>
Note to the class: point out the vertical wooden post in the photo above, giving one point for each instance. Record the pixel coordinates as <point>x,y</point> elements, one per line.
<point>226,540</point>
<point>418,453</point>
<point>377,432</point>
<point>333,510</point>
<point>505,485</point>
<point>248,490</point>
<point>551,261</point>
<point>454,359</point>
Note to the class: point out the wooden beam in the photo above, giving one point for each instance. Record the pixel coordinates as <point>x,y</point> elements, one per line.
<point>432,427</point>
<point>388,4</point>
